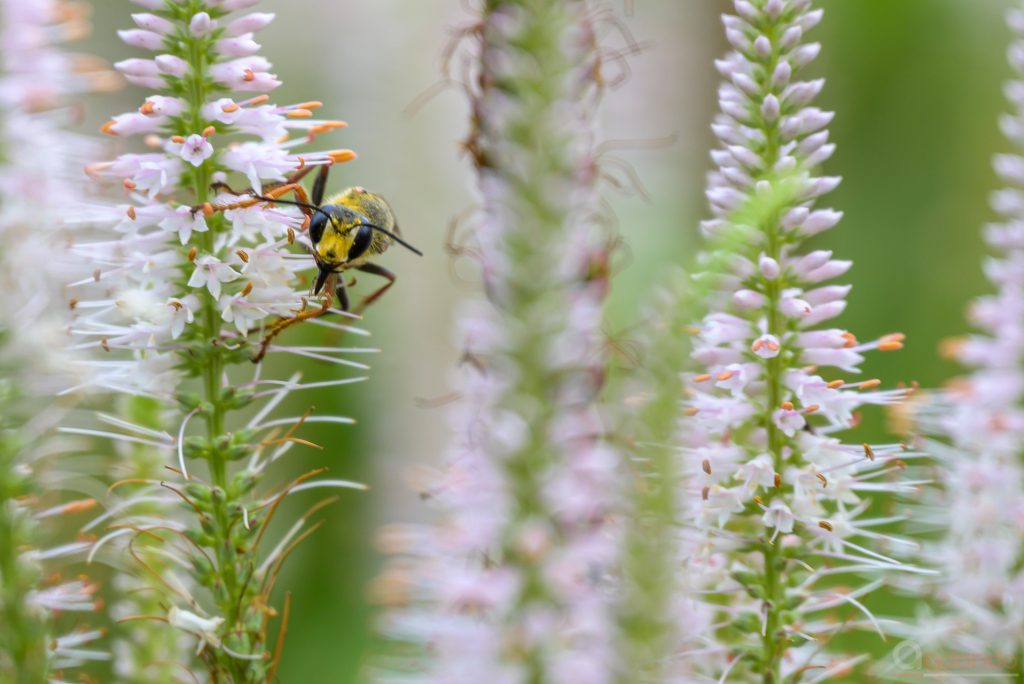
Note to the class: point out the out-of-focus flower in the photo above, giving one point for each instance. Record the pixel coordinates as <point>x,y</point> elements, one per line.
<point>777,503</point>
<point>40,166</point>
<point>509,586</point>
<point>975,429</point>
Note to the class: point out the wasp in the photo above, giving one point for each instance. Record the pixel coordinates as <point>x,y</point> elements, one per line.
<point>346,231</point>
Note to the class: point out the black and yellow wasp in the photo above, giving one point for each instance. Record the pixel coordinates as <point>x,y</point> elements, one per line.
<point>347,231</point>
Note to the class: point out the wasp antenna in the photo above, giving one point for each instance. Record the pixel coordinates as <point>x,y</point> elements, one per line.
<point>303,205</point>
<point>393,237</point>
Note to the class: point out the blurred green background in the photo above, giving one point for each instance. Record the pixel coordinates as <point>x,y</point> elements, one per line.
<point>916,85</point>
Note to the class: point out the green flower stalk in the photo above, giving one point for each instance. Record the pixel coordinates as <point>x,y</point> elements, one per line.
<point>188,291</point>
<point>510,585</point>
<point>649,633</point>
<point>40,495</point>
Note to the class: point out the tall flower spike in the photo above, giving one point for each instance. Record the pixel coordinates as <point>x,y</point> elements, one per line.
<point>976,430</point>
<point>40,497</point>
<point>188,279</point>
<point>507,586</point>
<point>778,503</point>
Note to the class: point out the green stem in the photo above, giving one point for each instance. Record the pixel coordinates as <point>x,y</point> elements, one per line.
<point>22,635</point>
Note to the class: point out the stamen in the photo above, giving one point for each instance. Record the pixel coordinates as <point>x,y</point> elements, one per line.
<point>341,156</point>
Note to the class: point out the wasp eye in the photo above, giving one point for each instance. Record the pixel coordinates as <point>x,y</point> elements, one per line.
<point>361,243</point>
<point>316,227</point>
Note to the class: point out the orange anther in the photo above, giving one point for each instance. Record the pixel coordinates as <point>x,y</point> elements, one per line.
<point>812,408</point>
<point>178,139</point>
<point>757,345</point>
<point>869,384</point>
<point>249,76</point>
<point>851,340</point>
<point>787,406</point>
<point>703,377</point>
<point>208,131</point>
<point>230,108</point>
<point>79,506</point>
<point>691,411</point>
<point>341,156</point>
<point>299,114</point>
<point>892,345</point>
<point>108,127</point>
<point>131,213</point>
<point>893,337</point>
<point>247,289</point>
<point>836,384</point>
<point>722,377</point>
<point>192,253</point>
<point>258,100</point>
<point>772,346</point>
<point>208,210</point>
<point>312,104</point>
<point>129,184</point>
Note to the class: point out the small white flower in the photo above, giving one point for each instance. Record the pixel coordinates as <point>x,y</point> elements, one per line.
<point>196,149</point>
<point>184,221</point>
<point>210,272</point>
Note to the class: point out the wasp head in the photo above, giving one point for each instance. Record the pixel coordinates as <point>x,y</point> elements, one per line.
<point>339,236</point>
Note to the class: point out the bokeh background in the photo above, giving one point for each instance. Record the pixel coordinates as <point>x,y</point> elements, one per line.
<point>916,85</point>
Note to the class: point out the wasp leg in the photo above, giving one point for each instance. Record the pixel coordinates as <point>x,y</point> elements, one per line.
<point>342,292</point>
<point>383,273</point>
<point>286,323</point>
<point>320,184</point>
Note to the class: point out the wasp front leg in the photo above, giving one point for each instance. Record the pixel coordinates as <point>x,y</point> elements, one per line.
<point>305,315</point>
<point>383,273</point>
